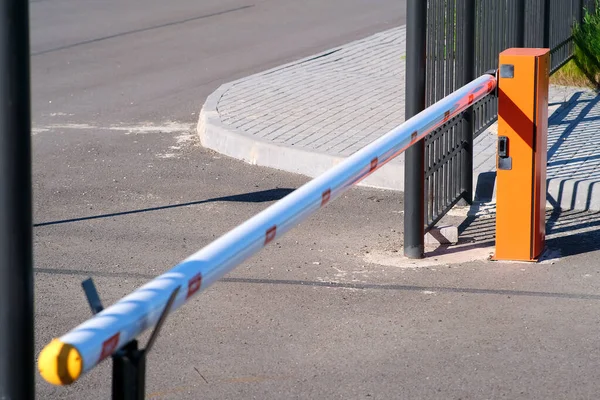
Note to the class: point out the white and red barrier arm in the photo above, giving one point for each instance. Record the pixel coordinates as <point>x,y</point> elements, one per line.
<point>65,359</point>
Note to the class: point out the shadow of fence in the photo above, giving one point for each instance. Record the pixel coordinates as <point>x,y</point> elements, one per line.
<point>573,174</point>
<point>569,232</point>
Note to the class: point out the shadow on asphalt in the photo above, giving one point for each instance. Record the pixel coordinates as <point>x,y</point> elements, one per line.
<point>573,232</point>
<point>252,197</point>
<point>573,159</point>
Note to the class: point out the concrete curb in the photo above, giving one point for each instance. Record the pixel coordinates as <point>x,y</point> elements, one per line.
<point>234,143</point>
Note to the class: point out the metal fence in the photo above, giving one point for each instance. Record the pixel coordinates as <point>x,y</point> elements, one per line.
<point>464,38</point>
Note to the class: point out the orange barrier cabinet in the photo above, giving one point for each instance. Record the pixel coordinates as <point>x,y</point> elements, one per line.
<point>522,154</point>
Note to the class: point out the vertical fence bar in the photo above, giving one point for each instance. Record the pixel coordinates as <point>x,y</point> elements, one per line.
<point>534,23</point>
<point>440,57</point>
<point>510,31</point>
<point>546,23</point>
<point>452,62</point>
<point>454,184</point>
<point>427,163</point>
<point>414,215</point>
<point>450,47</point>
<point>16,273</point>
<point>468,67</point>
<point>498,14</point>
<point>520,22</point>
<point>436,179</point>
<point>489,32</point>
<point>430,49</point>
<point>528,34</point>
<point>480,38</point>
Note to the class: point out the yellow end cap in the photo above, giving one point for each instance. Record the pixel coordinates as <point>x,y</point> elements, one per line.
<point>60,363</point>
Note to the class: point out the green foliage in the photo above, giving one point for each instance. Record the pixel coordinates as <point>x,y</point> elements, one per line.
<point>587,43</point>
<point>570,75</point>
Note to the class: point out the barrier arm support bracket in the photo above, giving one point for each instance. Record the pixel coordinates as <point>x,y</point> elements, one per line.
<point>494,73</point>
<point>129,363</point>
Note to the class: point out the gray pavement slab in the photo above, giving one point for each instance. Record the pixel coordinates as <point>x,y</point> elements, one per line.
<point>306,116</point>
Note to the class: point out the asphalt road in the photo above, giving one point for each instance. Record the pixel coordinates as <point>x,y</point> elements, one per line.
<point>130,61</point>
<point>123,192</point>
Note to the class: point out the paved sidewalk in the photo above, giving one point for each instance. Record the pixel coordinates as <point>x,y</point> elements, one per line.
<point>307,116</point>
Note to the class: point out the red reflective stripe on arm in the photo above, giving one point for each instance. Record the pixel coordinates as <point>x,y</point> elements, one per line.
<point>374,163</point>
<point>109,346</point>
<point>325,197</point>
<point>446,116</point>
<point>270,235</point>
<point>194,285</point>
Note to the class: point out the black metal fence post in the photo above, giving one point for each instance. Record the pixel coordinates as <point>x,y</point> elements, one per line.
<point>16,273</point>
<point>468,65</point>
<point>414,172</point>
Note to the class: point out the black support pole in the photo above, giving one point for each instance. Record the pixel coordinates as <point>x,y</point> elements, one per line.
<point>129,373</point>
<point>521,21</point>
<point>414,167</point>
<point>16,274</point>
<point>468,65</point>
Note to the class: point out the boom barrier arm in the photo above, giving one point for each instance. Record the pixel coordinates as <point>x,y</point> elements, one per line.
<point>65,359</point>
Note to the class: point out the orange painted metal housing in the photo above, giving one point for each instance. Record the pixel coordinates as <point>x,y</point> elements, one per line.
<point>521,183</point>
